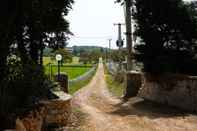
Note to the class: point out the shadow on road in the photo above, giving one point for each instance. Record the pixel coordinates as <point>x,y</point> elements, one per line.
<point>140,107</point>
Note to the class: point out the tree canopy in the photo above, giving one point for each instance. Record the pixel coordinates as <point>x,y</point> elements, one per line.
<point>168,32</point>
<point>26,28</point>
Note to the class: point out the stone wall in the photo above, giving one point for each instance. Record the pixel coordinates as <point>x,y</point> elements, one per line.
<point>52,113</point>
<point>174,90</point>
<point>133,84</point>
<point>58,112</point>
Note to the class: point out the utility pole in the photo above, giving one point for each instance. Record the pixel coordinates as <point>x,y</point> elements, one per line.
<point>129,41</point>
<point>119,42</point>
<point>110,49</point>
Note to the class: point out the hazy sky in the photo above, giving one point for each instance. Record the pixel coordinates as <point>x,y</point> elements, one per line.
<point>92,21</point>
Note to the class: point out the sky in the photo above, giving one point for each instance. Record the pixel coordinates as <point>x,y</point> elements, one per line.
<point>92,22</point>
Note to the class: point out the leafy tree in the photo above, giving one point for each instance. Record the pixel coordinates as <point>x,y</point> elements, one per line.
<point>94,56</point>
<point>89,54</point>
<point>84,57</point>
<point>67,56</point>
<point>26,28</point>
<point>168,32</point>
<point>118,55</point>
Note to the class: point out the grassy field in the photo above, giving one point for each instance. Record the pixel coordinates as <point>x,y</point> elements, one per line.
<point>75,61</point>
<point>47,60</point>
<point>78,85</point>
<point>71,71</point>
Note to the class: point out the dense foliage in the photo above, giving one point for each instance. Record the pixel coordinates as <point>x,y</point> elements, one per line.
<point>77,50</point>
<point>89,54</point>
<point>66,55</point>
<point>118,55</point>
<point>168,32</point>
<point>26,28</point>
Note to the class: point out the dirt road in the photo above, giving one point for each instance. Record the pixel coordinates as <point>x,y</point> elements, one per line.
<point>107,113</point>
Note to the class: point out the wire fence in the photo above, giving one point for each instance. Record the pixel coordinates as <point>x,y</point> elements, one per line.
<point>51,69</point>
<point>114,67</point>
<point>84,76</point>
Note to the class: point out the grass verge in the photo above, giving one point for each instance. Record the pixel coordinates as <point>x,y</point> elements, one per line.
<point>115,87</point>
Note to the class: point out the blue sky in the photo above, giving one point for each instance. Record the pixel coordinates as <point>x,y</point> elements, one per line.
<point>92,21</point>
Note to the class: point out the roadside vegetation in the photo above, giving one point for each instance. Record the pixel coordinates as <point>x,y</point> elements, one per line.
<point>115,86</point>
<point>168,43</point>
<point>73,69</point>
<point>74,87</point>
<point>27,28</point>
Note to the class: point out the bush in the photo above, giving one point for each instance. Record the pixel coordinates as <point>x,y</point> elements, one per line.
<point>168,36</point>
<point>26,85</point>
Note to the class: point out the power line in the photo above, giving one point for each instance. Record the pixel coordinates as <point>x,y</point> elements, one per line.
<point>91,37</point>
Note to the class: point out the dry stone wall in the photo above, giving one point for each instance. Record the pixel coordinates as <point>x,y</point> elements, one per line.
<point>53,112</point>
<point>174,90</point>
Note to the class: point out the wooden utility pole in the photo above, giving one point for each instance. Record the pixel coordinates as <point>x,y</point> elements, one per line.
<point>128,5</point>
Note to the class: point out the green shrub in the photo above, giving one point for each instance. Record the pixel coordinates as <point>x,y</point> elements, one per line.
<point>26,85</point>
<point>168,36</point>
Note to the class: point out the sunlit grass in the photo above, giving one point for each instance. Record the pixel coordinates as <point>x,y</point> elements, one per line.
<point>115,87</point>
<point>74,87</point>
<point>71,71</point>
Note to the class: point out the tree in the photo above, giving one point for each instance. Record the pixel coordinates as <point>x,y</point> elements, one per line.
<point>67,56</point>
<point>26,28</point>
<point>118,55</point>
<point>84,57</point>
<point>168,33</point>
<point>94,56</point>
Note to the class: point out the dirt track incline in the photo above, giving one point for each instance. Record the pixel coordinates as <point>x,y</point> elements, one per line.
<point>107,113</point>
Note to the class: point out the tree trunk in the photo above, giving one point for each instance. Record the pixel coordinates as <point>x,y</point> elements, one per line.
<point>41,52</point>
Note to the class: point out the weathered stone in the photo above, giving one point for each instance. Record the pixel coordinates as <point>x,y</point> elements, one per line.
<point>33,121</point>
<point>63,81</point>
<point>175,90</point>
<point>48,112</point>
<point>59,110</point>
<point>133,84</point>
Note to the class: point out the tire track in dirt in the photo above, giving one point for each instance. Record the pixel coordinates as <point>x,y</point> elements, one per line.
<point>107,113</point>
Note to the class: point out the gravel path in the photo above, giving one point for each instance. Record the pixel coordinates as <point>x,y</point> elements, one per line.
<point>107,113</point>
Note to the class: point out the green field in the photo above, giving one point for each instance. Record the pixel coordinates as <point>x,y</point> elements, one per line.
<point>75,62</point>
<point>74,87</point>
<point>71,71</point>
<point>47,60</point>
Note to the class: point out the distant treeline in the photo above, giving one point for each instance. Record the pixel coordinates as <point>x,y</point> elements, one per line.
<point>77,50</point>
